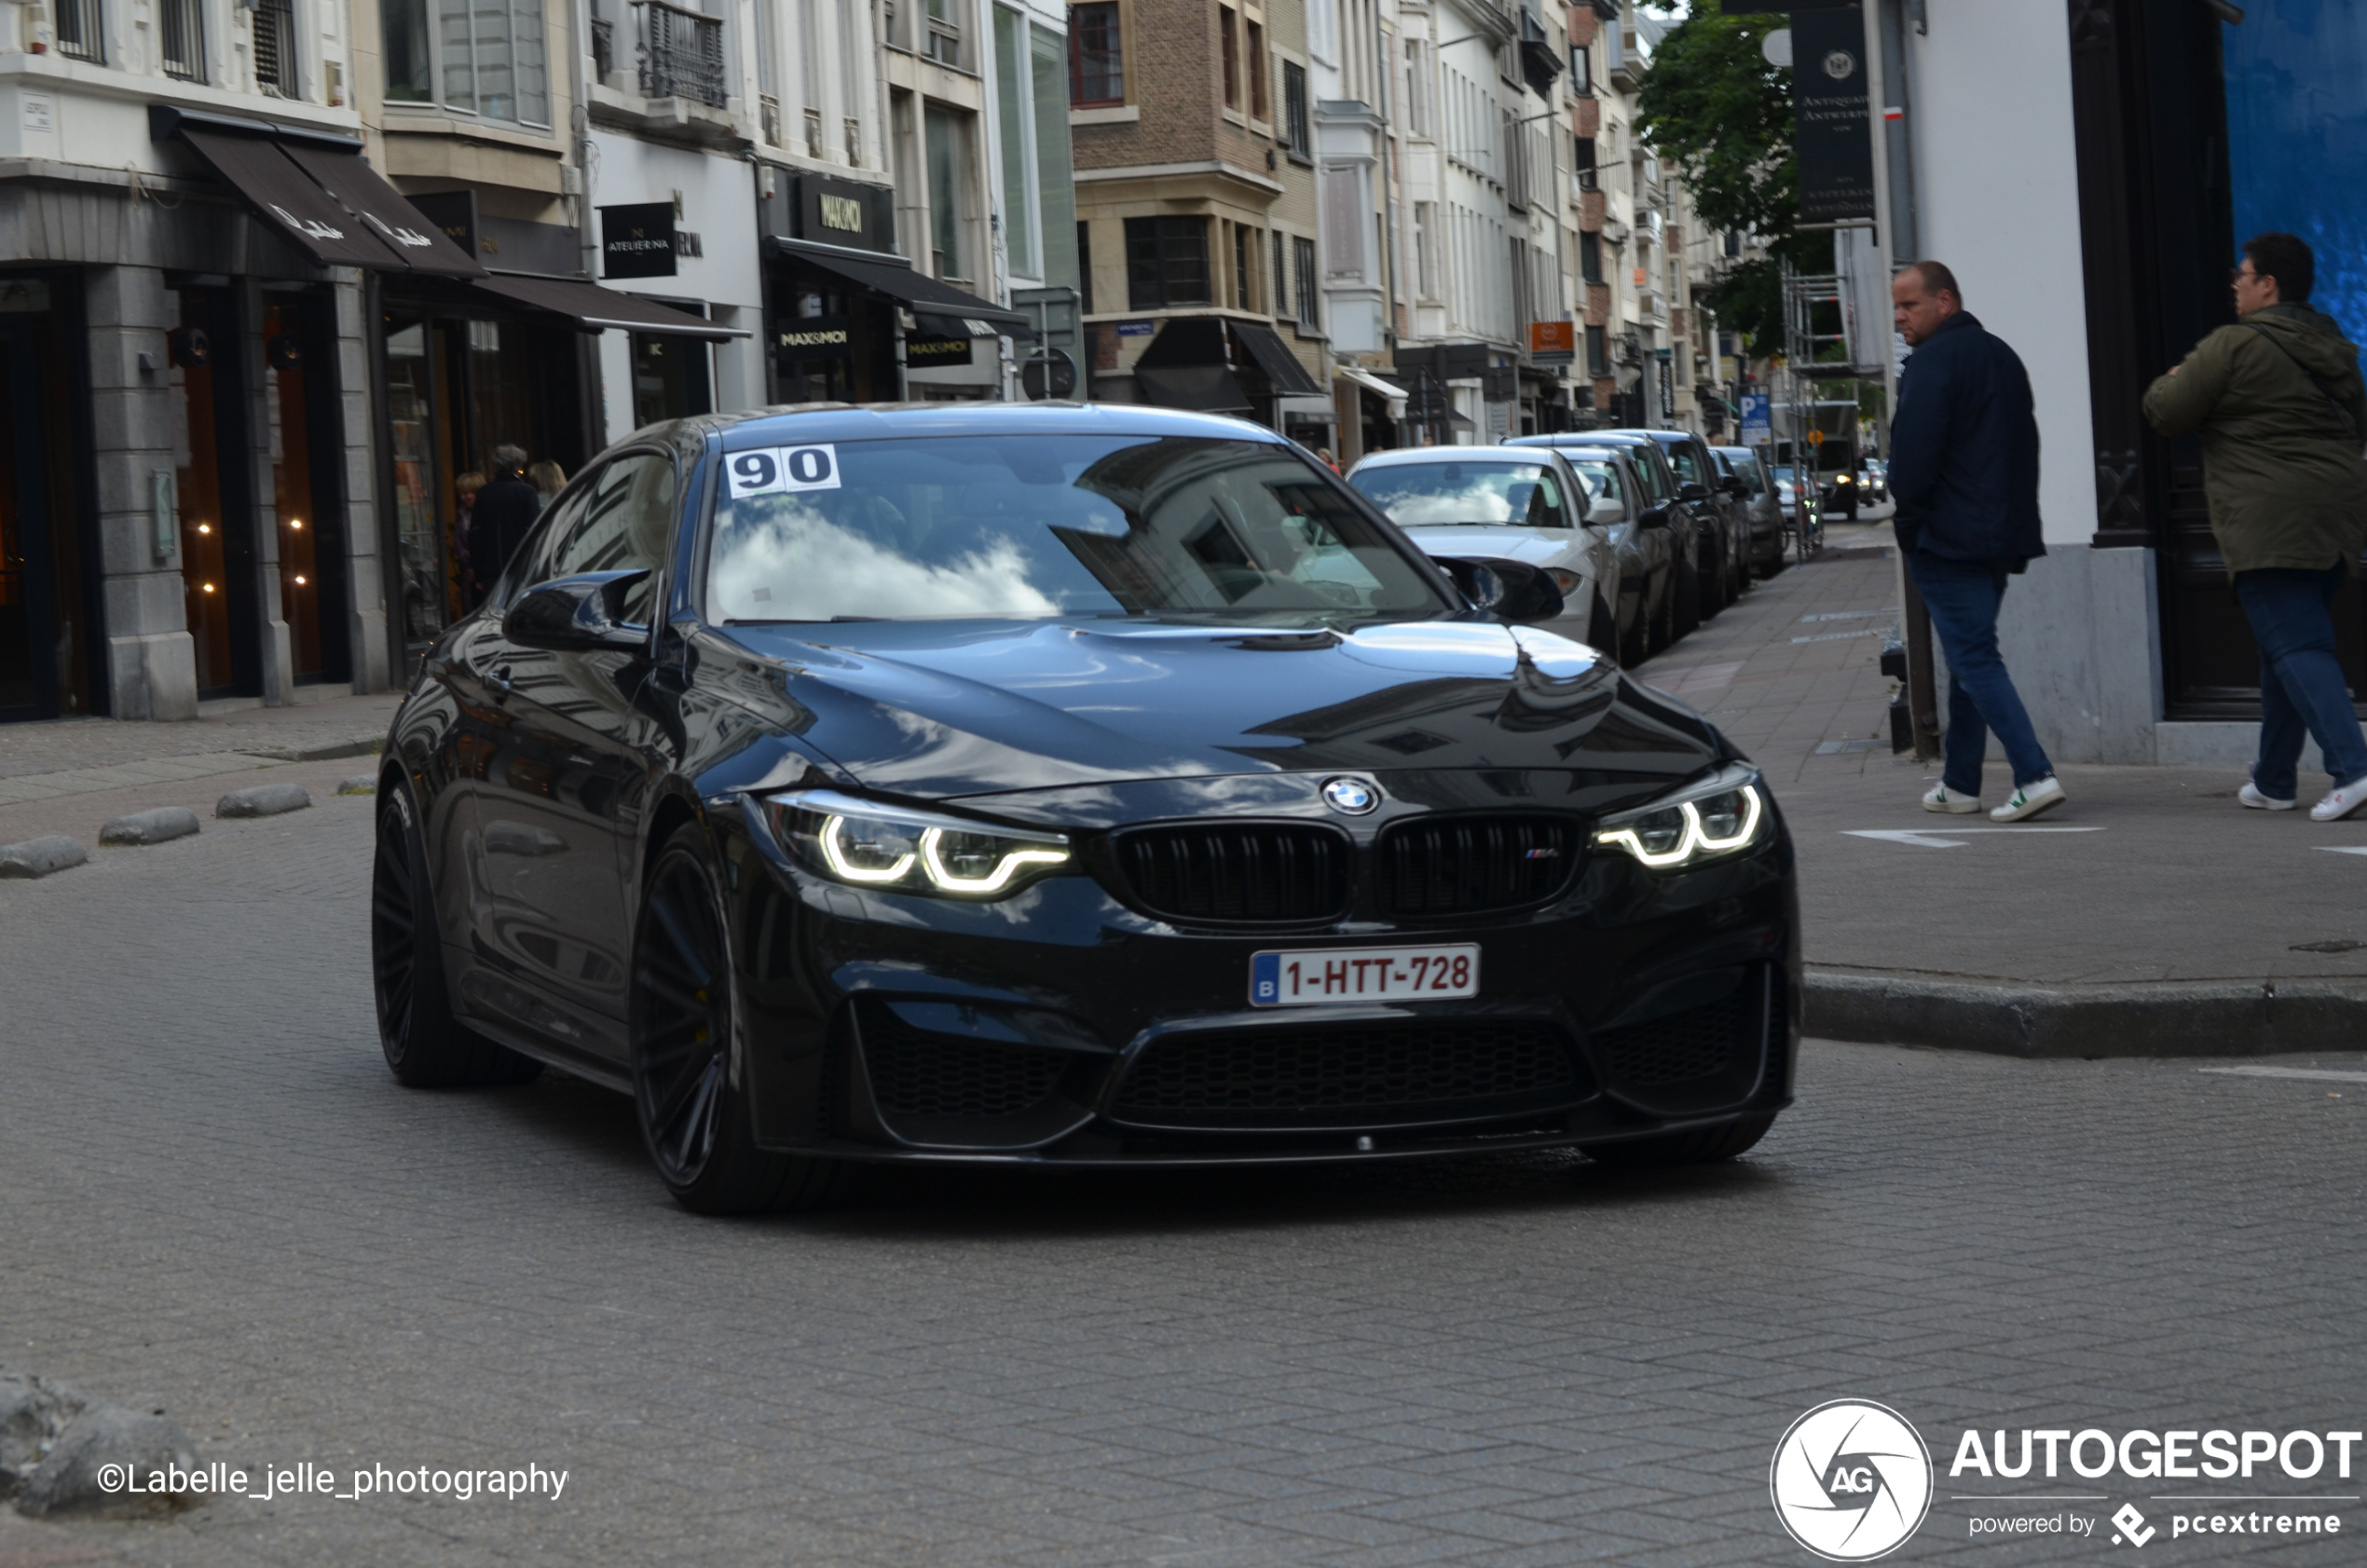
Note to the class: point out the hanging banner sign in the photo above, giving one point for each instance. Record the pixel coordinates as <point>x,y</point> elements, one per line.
<point>1832,134</point>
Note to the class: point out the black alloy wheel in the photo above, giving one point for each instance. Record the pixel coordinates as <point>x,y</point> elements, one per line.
<point>688,1086</point>
<point>426,1047</point>
<point>1701,1147</point>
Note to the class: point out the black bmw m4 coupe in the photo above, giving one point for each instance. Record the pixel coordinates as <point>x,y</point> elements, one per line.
<point>1060,786</point>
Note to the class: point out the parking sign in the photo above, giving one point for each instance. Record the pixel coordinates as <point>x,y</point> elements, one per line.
<point>1756,424</point>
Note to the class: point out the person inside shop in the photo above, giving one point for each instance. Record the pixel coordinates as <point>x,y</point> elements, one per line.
<point>548,479</point>
<point>464,578</point>
<point>505,509</point>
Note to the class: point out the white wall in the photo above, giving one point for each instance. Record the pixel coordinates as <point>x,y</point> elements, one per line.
<point>1997,199</point>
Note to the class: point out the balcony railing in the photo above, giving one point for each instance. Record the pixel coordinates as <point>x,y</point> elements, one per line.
<point>81,33</point>
<point>682,53</point>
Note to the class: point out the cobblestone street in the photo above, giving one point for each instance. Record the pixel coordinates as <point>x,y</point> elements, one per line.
<point>218,1204</point>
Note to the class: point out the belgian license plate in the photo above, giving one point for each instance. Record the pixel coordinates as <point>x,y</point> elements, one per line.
<point>1304,976</point>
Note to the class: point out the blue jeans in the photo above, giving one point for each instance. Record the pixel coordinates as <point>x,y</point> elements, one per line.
<point>2301,681</point>
<point>1963,598</point>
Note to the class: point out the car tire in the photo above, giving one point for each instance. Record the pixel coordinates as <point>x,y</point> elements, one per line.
<point>691,1103</point>
<point>1700,1147</point>
<point>426,1047</point>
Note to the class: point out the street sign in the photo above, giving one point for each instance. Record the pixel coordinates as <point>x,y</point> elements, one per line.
<point>1758,422</point>
<point>1049,373</point>
<point>1816,438</point>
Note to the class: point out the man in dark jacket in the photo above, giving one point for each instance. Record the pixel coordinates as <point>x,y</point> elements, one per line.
<point>1963,470</point>
<point>505,509</point>
<point>2277,401</point>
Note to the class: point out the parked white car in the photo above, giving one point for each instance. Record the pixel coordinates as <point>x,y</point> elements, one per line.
<point>1513,503</point>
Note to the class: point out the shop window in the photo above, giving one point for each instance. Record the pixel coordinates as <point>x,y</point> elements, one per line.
<point>478,57</point>
<point>305,600</point>
<point>1097,67</point>
<point>1303,275</point>
<point>1166,263</point>
<point>44,625</point>
<point>670,378</point>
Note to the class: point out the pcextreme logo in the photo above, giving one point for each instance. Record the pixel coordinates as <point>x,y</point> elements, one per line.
<point>1851,1480</point>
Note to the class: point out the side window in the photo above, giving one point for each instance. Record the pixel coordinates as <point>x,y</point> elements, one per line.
<point>1545,504</point>
<point>624,519</point>
<point>1680,457</point>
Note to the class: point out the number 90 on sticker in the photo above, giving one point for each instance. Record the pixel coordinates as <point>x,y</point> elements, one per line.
<point>767,470</point>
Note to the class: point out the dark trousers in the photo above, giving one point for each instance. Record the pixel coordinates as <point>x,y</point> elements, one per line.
<point>2301,681</point>
<point>1964,597</point>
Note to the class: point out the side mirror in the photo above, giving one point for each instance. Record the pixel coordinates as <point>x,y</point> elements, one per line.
<point>1695,492</point>
<point>1606,510</point>
<point>1655,518</point>
<point>1734,486</point>
<point>1509,591</point>
<point>577,614</point>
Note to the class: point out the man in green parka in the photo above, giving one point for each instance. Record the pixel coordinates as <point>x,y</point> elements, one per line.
<point>2277,402</point>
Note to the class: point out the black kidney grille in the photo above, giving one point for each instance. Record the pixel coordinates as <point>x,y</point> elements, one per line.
<point>1248,871</point>
<point>917,1073</point>
<point>1681,1047</point>
<point>1462,865</point>
<point>1239,1077</point>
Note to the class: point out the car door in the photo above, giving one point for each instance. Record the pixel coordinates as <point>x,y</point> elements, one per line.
<point>1594,557</point>
<point>560,796</point>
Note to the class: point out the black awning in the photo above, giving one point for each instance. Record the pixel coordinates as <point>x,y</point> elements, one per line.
<point>1200,388</point>
<point>595,308</point>
<point>945,310</point>
<point>1273,356</point>
<point>423,246</point>
<point>279,190</point>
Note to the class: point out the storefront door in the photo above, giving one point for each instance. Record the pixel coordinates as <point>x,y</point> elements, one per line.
<point>305,500</point>
<point>219,589</point>
<point>42,664</point>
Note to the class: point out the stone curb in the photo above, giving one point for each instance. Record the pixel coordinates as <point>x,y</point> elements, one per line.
<point>360,783</point>
<point>157,826</point>
<point>263,800</point>
<point>2159,1018</point>
<point>40,857</point>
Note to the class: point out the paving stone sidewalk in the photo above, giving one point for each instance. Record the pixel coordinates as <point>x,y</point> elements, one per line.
<point>2148,878</point>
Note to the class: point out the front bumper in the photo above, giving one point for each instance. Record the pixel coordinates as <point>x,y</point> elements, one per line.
<point>1064,1027</point>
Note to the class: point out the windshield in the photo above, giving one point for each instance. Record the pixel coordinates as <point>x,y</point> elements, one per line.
<point>1035,527</point>
<point>1431,495</point>
<point>1601,476</point>
<point>1746,467</point>
<point>1680,457</point>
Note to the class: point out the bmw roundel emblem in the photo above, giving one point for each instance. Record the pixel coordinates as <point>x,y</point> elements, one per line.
<point>1352,796</point>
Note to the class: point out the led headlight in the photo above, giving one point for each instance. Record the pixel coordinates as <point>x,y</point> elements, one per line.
<point>865,844</point>
<point>1715,816</point>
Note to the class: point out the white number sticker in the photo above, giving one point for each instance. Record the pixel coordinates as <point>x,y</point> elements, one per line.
<point>773,470</point>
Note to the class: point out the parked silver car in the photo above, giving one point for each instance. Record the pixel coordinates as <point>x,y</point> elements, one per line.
<point>1514,504</point>
<point>1754,488</point>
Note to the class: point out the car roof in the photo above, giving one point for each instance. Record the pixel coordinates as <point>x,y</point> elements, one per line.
<point>796,423</point>
<point>1398,455</point>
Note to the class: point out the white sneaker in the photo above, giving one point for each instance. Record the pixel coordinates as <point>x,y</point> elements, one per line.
<point>2343,800</point>
<point>2251,796</point>
<point>1937,799</point>
<point>2029,799</point>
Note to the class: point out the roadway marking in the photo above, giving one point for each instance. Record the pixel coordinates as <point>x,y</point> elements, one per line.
<point>1930,838</point>
<point>1846,615</point>
<point>2320,1074</point>
<point>1836,636</point>
<point>2342,849</point>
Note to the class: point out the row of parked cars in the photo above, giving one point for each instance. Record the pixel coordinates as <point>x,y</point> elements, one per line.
<point>1646,533</point>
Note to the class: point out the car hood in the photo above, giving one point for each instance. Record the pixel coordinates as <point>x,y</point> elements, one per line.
<point>950,709</point>
<point>1534,547</point>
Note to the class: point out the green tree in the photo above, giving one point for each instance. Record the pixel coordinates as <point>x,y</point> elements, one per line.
<point>1713,106</point>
